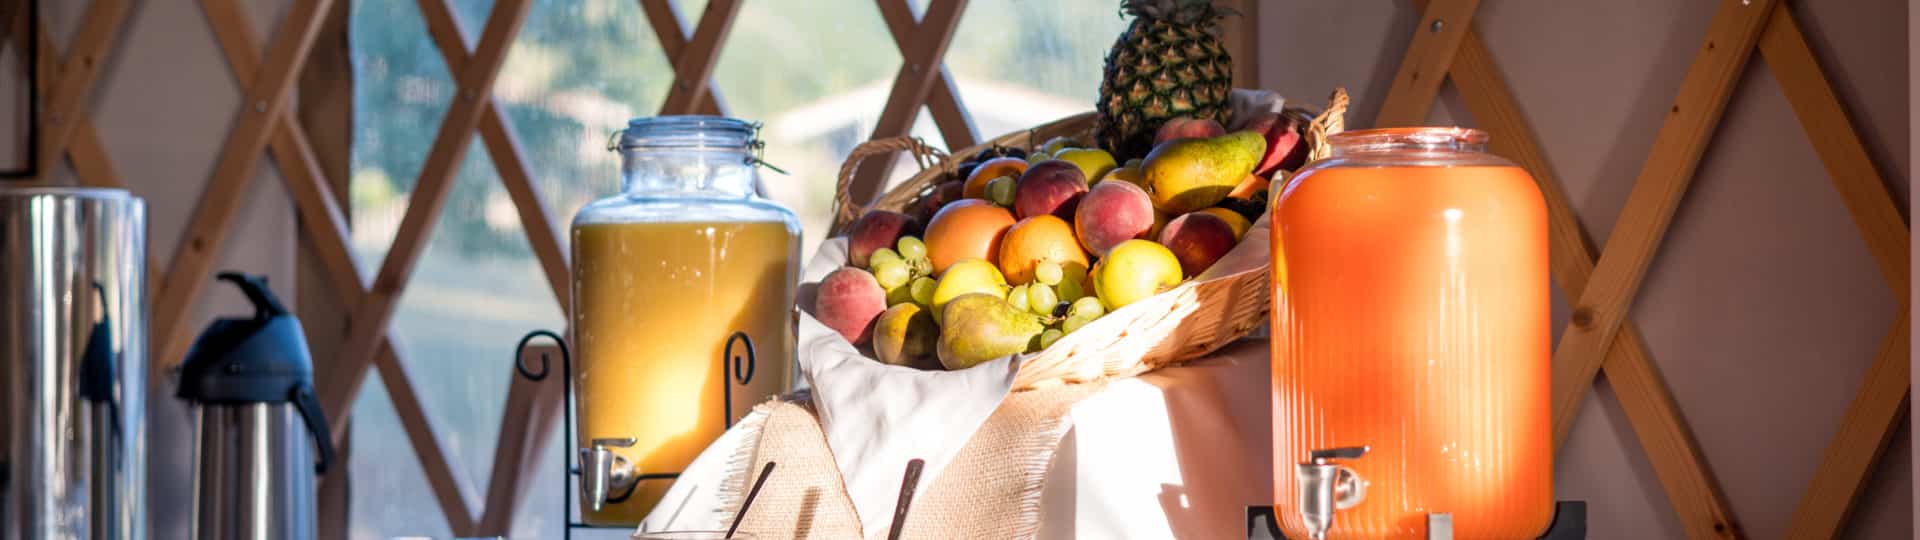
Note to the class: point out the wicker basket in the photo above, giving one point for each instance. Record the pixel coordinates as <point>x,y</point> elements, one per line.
<point>1186,322</point>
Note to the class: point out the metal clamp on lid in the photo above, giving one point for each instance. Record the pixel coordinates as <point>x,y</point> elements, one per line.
<point>1326,487</point>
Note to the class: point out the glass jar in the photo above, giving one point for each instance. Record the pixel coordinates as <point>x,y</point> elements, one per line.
<point>683,287</point>
<point>1410,317</point>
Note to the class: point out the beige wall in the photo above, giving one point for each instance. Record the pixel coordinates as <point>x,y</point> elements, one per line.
<point>1763,308</point>
<point>163,107</point>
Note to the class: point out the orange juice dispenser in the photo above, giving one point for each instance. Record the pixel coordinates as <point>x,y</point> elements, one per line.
<point>1412,355</point>
<point>683,291</point>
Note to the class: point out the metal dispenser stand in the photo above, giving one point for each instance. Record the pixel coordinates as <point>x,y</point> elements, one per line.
<point>1569,523</point>
<point>737,367</point>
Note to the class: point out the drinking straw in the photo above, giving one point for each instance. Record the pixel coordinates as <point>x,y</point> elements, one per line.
<point>906,497</point>
<point>755,492</point>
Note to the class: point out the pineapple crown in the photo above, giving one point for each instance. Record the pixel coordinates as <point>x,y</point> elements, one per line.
<point>1194,12</point>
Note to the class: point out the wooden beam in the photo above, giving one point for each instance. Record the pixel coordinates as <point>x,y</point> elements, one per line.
<point>450,487</point>
<point>693,68</point>
<point>264,100</point>
<point>475,81</point>
<point>1881,402</point>
<point>920,59</point>
<point>1442,25</point>
<point>1636,237</point>
<point>525,425</point>
<point>943,101</point>
<point>1684,473</point>
<point>1863,436</point>
<point>1834,138</point>
<point>99,28</point>
<point>665,19</point>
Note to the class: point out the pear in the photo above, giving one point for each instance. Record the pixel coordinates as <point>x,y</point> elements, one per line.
<point>1186,175</point>
<point>979,327</point>
<point>905,335</point>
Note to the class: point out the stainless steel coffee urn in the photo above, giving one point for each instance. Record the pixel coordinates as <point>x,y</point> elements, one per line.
<point>73,336</point>
<point>250,380</point>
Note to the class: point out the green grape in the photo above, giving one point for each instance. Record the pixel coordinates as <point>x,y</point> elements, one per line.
<point>883,255</point>
<point>1049,336</point>
<point>922,290</point>
<point>1041,299</point>
<point>912,249</point>
<point>1073,323</point>
<point>899,295</point>
<point>891,274</point>
<point>1000,191</point>
<point>1018,297</point>
<point>1086,308</point>
<point>1048,272</point>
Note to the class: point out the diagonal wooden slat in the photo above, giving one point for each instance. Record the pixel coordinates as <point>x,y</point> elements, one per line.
<point>1881,402</point>
<point>943,101</point>
<point>533,408</point>
<point>693,67</point>
<point>509,160</point>
<point>462,119</point>
<point>915,81</point>
<point>1663,180</point>
<point>1442,24</point>
<point>264,99</point>
<point>1691,489</point>
<point>455,494</point>
<point>665,19</point>
<point>100,27</point>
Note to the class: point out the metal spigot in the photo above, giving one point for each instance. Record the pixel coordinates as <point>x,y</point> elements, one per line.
<point>604,472</point>
<point>1326,487</point>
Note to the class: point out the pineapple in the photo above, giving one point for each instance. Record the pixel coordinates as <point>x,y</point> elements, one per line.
<point>1169,63</point>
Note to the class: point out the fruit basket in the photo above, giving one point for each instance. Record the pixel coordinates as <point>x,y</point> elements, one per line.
<point>1201,314</point>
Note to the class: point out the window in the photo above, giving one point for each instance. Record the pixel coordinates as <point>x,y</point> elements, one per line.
<point>815,72</point>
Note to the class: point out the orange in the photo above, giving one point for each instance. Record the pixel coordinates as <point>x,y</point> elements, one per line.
<point>989,170</point>
<point>965,229</point>
<point>1036,239</point>
<point>1249,186</point>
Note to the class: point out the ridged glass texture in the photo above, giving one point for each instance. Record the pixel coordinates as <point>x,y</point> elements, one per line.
<point>1410,314</point>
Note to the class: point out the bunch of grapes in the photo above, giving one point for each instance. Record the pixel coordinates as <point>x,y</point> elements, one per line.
<point>1062,300</point>
<point>906,272</point>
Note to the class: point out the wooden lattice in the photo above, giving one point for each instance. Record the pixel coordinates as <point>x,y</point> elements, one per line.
<point>1601,287</point>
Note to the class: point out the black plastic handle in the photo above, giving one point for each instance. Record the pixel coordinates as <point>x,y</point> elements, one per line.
<point>309,406</point>
<point>265,305</point>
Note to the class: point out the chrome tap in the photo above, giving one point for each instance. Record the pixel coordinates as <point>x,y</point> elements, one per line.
<point>604,472</point>
<point>1326,487</point>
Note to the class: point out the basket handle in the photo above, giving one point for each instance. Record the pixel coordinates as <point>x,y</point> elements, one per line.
<point>844,209</point>
<point>1331,121</point>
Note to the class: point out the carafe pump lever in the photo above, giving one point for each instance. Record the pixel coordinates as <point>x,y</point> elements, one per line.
<point>1327,487</point>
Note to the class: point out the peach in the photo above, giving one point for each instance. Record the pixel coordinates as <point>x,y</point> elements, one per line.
<point>877,229</point>
<point>1049,187</point>
<point>976,187</point>
<point>1198,239</point>
<point>1286,148</point>
<point>1111,213</point>
<point>1187,128</point>
<point>848,301</point>
<point>965,229</point>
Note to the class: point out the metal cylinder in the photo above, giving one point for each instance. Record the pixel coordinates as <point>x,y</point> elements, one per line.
<point>256,474</point>
<point>73,337</point>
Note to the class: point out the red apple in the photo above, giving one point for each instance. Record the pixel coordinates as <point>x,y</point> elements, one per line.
<point>1182,127</point>
<point>1286,148</point>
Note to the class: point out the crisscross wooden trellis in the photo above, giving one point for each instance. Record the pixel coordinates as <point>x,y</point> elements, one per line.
<point>1602,286</point>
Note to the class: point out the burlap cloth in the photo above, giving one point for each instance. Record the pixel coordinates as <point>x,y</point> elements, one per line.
<point>990,490</point>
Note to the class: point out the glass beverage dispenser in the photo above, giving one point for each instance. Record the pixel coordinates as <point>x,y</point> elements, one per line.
<point>1412,358</point>
<point>683,290</point>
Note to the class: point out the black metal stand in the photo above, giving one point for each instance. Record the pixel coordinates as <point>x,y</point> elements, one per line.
<point>1569,522</point>
<point>736,362</point>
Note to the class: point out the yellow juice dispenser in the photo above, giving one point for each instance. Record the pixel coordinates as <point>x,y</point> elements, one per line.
<point>683,287</point>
